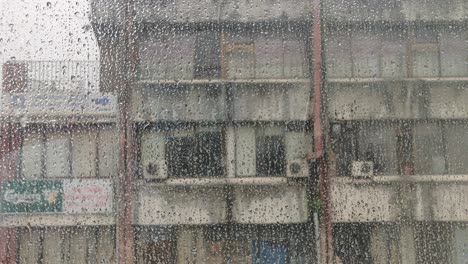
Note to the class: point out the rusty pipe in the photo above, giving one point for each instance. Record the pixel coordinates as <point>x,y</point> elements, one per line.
<point>326,246</point>
<point>125,237</point>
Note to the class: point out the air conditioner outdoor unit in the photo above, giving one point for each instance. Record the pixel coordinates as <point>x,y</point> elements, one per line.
<point>297,168</point>
<point>155,170</point>
<point>362,169</point>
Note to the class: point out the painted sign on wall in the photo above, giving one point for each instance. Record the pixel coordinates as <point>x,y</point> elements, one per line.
<point>31,196</point>
<point>59,103</point>
<point>87,196</point>
<point>72,196</point>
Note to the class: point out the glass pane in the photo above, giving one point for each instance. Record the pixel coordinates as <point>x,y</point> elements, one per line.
<point>225,132</point>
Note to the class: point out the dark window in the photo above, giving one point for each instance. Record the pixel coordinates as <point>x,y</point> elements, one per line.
<point>270,156</point>
<point>365,142</point>
<point>199,155</point>
<point>180,152</point>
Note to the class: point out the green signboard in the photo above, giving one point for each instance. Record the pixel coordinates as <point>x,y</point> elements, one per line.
<point>21,196</point>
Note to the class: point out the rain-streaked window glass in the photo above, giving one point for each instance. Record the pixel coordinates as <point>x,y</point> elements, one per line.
<point>234,132</point>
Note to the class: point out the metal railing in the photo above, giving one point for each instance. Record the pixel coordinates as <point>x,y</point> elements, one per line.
<point>51,76</point>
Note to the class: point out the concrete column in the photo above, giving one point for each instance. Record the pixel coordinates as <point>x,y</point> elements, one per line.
<point>379,245</point>
<point>384,245</point>
<point>245,151</point>
<point>230,152</point>
<point>407,244</point>
<point>9,149</point>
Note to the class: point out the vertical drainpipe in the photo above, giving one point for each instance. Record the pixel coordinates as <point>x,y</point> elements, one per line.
<point>326,246</point>
<point>9,147</point>
<point>125,235</point>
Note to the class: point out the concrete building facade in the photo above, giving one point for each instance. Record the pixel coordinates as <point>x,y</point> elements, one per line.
<point>58,161</point>
<point>396,87</point>
<point>220,112</point>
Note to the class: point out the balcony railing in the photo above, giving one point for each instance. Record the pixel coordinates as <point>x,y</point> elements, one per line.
<point>51,76</point>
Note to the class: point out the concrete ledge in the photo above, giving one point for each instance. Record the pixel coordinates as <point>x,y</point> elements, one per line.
<point>374,80</point>
<point>392,198</point>
<point>57,119</point>
<point>218,181</point>
<point>225,81</point>
<point>402,179</point>
<point>56,220</point>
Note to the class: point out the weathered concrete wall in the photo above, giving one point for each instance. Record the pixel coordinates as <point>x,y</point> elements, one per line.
<point>363,202</point>
<point>397,100</point>
<point>259,102</point>
<point>395,10</point>
<point>163,205</point>
<point>66,245</point>
<point>355,201</point>
<point>111,11</point>
<point>272,102</point>
<point>270,205</point>
<point>47,219</point>
<point>179,103</point>
<point>92,152</point>
<point>442,202</point>
<point>172,206</point>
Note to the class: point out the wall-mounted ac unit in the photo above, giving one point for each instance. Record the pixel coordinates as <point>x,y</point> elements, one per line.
<point>155,170</point>
<point>362,169</point>
<point>297,168</point>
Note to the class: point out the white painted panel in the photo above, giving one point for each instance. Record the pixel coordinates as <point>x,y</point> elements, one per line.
<point>270,205</point>
<point>352,102</point>
<point>179,103</point>
<point>241,64</point>
<point>153,151</point>
<point>365,54</point>
<point>78,246</point>
<point>338,55</point>
<point>245,151</point>
<point>393,55</point>
<point>29,243</point>
<point>425,64</point>
<point>461,245</point>
<point>170,206</point>
<point>449,202</point>
<point>359,203</point>
<point>31,156</point>
<point>429,157</point>
<point>297,144</point>
<point>87,196</point>
<point>52,246</point>
<point>84,154</point>
<point>457,144</point>
<point>448,101</point>
<point>108,153</point>
<point>453,53</point>
<point>230,152</point>
<point>269,57</point>
<point>57,155</point>
<point>105,245</point>
<point>275,102</point>
<point>294,58</point>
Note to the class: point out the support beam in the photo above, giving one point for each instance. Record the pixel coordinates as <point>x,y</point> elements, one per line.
<point>125,235</point>
<point>9,148</point>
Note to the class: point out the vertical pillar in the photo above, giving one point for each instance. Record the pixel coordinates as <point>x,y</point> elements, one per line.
<point>407,244</point>
<point>9,147</point>
<point>230,152</point>
<point>125,235</point>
